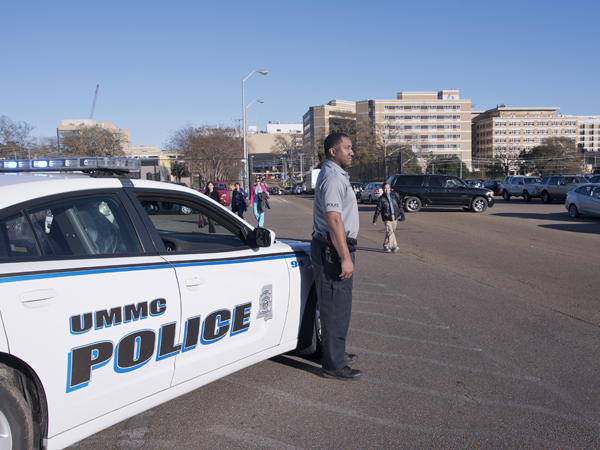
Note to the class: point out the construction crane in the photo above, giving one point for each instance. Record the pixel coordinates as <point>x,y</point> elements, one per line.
<point>94,104</point>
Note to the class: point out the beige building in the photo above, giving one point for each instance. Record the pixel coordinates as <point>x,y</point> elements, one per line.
<point>317,120</point>
<point>72,126</point>
<point>504,130</point>
<point>588,139</point>
<point>431,123</point>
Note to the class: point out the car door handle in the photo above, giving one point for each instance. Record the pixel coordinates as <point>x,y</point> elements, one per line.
<point>37,299</point>
<point>194,284</point>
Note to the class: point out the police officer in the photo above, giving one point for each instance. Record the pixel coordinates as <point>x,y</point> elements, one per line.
<point>335,224</point>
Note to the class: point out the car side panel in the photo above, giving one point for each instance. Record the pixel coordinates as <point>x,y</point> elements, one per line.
<point>71,323</point>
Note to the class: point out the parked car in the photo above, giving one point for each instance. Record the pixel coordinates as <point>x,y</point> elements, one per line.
<point>594,179</point>
<point>288,190</point>
<point>298,189</point>
<point>222,189</point>
<point>358,188</point>
<point>556,186</point>
<point>494,186</point>
<point>443,190</point>
<point>584,200</point>
<point>372,192</point>
<point>521,186</point>
<point>96,295</point>
<point>474,183</point>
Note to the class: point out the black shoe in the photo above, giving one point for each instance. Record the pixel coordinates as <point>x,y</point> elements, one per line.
<point>343,374</point>
<point>350,358</point>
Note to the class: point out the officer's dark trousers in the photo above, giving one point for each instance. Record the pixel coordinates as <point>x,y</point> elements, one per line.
<point>335,305</point>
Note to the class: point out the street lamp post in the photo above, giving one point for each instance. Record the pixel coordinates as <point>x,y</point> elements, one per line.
<point>262,72</point>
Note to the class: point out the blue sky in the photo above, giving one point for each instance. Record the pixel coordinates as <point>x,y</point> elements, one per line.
<point>161,65</point>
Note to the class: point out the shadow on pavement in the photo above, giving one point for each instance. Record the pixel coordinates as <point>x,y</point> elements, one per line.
<point>300,365</point>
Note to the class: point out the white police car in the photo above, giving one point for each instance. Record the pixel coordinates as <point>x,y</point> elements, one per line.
<point>119,294</point>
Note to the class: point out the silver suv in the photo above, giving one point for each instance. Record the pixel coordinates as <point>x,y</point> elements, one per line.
<point>556,186</point>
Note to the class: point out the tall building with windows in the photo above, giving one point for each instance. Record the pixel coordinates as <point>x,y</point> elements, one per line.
<point>589,133</point>
<point>430,123</point>
<point>317,120</point>
<point>503,130</point>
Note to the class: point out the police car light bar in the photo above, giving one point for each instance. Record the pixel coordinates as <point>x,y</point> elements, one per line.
<point>84,164</point>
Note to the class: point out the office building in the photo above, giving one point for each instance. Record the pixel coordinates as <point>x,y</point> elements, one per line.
<point>504,130</point>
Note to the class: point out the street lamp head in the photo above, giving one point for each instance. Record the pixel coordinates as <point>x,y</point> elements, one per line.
<point>260,100</point>
<point>263,72</point>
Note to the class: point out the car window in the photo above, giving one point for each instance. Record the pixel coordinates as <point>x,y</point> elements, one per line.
<point>410,180</point>
<point>532,180</point>
<point>553,181</point>
<point>595,192</point>
<point>186,225</point>
<point>90,225</point>
<point>454,183</point>
<point>584,190</point>
<point>575,180</point>
<point>16,239</point>
<point>435,182</point>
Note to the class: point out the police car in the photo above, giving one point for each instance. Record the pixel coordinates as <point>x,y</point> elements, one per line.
<point>118,294</point>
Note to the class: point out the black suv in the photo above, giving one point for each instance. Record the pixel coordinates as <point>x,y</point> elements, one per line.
<point>443,190</point>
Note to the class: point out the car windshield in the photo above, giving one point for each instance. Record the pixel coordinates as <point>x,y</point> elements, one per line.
<point>532,180</point>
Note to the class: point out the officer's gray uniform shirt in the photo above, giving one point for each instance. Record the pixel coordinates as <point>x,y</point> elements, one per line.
<point>334,193</point>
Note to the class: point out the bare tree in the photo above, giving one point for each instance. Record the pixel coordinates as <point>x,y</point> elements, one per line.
<point>45,147</point>
<point>15,139</point>
<point>95,141</point>
<point>214,153</point>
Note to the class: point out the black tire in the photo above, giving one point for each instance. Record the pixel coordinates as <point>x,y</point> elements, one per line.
<point>370,200</point>
<point>526,196</point>
<point>413,205</point>
<point>361,200</point>
<point>479,204</point>
<point>573,212</point>
<point>16,423</point>
<point>309,339</point>
<point>546,197</point>
<point>505,195</point>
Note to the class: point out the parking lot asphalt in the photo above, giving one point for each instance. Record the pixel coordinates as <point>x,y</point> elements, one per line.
<point>482,332</point>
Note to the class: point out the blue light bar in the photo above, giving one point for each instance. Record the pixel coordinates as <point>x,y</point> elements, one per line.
<point>74,164</point>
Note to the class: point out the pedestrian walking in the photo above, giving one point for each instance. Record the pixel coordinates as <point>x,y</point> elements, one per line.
<point>214,194</point>
<point>238,202</point>
<point>259,200</point>
<point>335,228</point>
<point>389,205</point>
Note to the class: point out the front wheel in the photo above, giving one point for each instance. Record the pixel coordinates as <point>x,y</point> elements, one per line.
<point>479,204</point>
<point>413,205</point>
<point>370,200</point>
<point>16,423</point>
<point>526,196</point>
<point>546,197</point>
<point>573,212</point>
<point>505,195</point>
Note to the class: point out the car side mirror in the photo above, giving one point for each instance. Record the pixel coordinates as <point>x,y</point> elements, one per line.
<point>263,237</point>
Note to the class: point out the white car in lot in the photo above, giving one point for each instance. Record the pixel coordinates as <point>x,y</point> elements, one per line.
<point>584,200</point>
<point>119,294</point>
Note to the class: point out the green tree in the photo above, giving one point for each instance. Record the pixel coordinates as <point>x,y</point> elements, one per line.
<point>554,155</point>
<point>447,165</point>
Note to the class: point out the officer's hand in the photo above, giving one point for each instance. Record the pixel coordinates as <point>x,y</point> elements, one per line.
<point>374,223</point>
<point>347,270</point>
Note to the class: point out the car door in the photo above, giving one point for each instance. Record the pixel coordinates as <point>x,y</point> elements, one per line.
<point>84,299</point>
<point>457,192</point>
<point>435,192</point>
<point>234,297</point>
<point>589,204</point>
